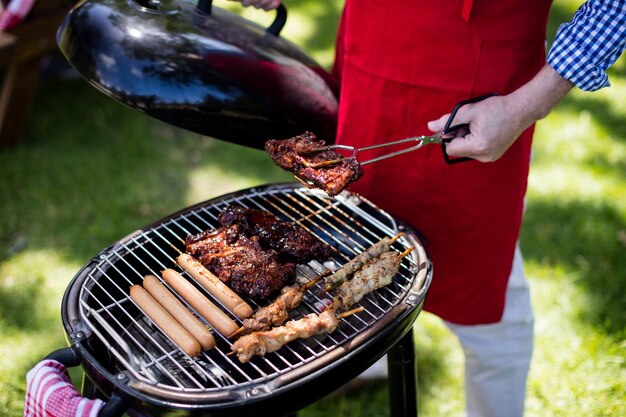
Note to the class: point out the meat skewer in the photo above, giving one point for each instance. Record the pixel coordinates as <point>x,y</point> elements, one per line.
<point>376,273</point>
<point>277,312</point>
<point>347,270</point>
<point>260,343</point>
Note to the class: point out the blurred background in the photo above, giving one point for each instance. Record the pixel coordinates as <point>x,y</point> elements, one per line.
<point>87,171</point>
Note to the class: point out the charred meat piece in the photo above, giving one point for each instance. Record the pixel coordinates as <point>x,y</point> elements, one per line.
<point>292,242</point>
<point>211,241</point>
<point>293,155</point>
<point>241,262</point>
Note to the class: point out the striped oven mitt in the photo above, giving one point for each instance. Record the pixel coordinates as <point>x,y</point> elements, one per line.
<point>15,13</point>
<point>50,393</point>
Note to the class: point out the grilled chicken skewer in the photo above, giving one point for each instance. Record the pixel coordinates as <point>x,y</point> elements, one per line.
<point>260,343</point>
<point>376,273</point>
<point>344,273</point>
<point>277,312</point>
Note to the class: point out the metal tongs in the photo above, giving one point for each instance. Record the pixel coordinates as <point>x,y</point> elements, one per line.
<point>442,138</point>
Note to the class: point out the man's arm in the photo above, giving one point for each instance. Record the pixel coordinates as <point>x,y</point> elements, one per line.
<point>582,51</point>
<point>497,122</point>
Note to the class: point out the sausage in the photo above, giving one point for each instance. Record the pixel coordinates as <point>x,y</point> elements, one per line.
<point>173,306</point>
<point>213,285</point>
<point>209,311</point>
<point>181,337</point>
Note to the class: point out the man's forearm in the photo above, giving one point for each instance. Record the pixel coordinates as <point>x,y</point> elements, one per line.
<point>497,122</point>
<point>540,95</point>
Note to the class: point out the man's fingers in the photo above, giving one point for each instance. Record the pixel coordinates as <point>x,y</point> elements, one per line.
<point>459,146</point>
<point>438,125</point>
<point>462,116</point>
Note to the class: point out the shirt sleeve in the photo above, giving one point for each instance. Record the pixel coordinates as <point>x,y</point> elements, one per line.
<point>590,43</point>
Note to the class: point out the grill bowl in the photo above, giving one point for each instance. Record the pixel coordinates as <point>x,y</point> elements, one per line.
<point>132,361</point>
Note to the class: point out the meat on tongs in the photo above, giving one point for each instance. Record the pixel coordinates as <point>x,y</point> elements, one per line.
<point>306,157</point>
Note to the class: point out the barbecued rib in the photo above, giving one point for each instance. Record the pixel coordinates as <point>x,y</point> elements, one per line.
<point>292,242</point>
<point>241,262</point>
<point>291,154</point>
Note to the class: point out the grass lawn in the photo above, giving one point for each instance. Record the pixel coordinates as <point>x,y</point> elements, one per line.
<point>88,171</point>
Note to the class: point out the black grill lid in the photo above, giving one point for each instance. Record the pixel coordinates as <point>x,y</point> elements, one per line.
<point>200,68</point>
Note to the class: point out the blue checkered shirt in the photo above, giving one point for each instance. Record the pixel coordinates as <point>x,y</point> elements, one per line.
<point>590,43</point>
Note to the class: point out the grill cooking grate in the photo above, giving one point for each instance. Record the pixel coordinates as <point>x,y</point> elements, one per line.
<point>139,350</point>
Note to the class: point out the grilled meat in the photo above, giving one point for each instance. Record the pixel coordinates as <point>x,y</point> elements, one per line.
<point>276,313</point>
<point>260,343</point>
<point>375,273</point>
<point>241,262</point>
<point>293,155</point>
<point>346,271</point>
<point>292,242</point>
<point>212,241</point>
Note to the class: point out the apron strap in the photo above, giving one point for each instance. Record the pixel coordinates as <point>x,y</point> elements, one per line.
<point>467,9</point>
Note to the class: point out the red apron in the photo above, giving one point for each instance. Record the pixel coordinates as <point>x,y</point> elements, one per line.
<point>405,62</point>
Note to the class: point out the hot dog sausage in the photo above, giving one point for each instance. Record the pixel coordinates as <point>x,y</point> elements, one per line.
<point>209,311</point>
<point>217,288</point>
<point>165,321</point>
<point>173,306</point>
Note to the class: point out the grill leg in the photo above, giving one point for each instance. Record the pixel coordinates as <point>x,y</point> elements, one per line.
<point>403,377</point>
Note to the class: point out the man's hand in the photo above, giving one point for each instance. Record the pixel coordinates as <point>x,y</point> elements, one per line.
<point>261,4</point>
<point>497,122</point>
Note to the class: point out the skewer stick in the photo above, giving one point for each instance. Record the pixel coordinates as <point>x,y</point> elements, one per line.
<point>175,248</point>
<point>406,252</point>
<point>315,280</point>
<point>237,332</point>
<point>350,312</point>
<point>396,237</point>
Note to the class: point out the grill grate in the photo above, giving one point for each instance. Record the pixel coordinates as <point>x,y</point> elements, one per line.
<point>138,349</point>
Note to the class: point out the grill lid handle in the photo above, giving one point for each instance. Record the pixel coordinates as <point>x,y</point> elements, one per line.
<point>116,405</point>
<point>275,28</point>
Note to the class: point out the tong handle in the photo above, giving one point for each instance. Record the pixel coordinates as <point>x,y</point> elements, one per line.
<point>449,129</point>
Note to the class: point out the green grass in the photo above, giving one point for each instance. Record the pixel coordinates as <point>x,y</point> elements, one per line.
<point>88,171</point>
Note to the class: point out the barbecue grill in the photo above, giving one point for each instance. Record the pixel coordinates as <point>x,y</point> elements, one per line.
<point>130,360</point>
<point>208,71</point>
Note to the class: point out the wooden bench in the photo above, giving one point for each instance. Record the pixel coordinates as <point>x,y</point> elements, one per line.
<point>22,50</point>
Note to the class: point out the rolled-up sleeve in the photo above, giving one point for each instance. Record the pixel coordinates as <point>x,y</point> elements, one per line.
<point>590,43</point>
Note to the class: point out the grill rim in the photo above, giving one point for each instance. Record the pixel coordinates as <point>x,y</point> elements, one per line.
<point>228,399</point>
